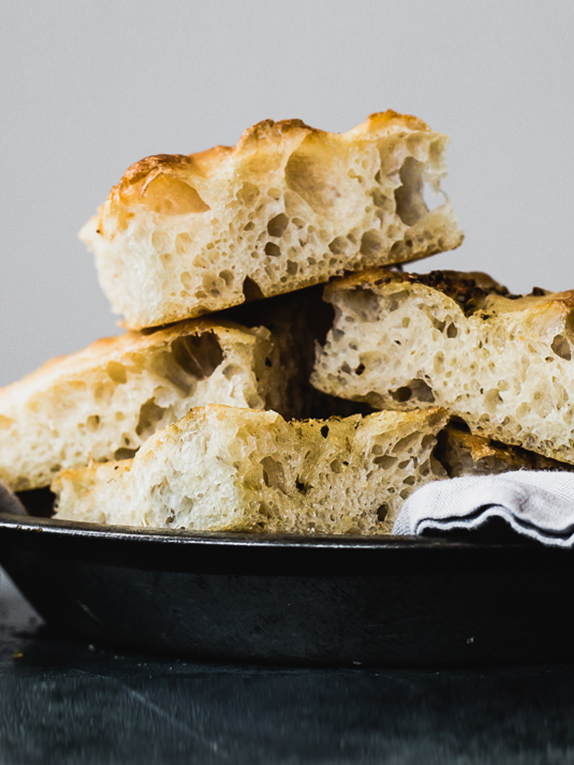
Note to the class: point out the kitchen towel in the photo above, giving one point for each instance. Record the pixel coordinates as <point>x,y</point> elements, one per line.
<point>536,503</point>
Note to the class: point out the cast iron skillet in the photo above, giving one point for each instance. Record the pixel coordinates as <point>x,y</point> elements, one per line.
<point>305,600</point>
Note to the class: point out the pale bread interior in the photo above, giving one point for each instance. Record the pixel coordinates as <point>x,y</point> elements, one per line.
<point>221,468</point>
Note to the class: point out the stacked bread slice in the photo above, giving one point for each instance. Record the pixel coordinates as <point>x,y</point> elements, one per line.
<point>198,424</point>
<point>501,363</point>
<point>105,401</point>
<point>287,207</point>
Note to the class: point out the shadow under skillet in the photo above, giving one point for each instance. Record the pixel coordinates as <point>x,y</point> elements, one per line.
<point>63,701</point>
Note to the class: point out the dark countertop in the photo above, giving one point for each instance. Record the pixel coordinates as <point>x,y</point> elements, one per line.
<point>63,701</point>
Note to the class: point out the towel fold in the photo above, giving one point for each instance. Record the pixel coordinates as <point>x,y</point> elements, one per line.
<point>536,503</point>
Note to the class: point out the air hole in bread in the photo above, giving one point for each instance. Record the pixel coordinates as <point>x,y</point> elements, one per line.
<point>93,422</point>
<point>301,486</point>
<point>117,372</point>
<point>339,245</point>
<point>382,512</point>
<point>277,225</point>
<point>182,242</point>
<point>309,173</point>
<point>124,454</point>
<point>227,277</point>
<point>418,389</point>
<point>437,323</point>
<point>433,196</point>
<point>251,290</point>
<point>561,347</point>
<point>451,330</point>
<point>336,466</point>
<point>409,200</point>
<point>247,194</point>
<point>197,355</point>
<point>365,304</point>
<point>405,443</point>
<point>273,473</point>
<point>427,441</point>
<point>371,243</point>
<point>386,461</point>
<point>168,196</point>
<point>272,249</point>
<point>492,399</point>
<point>380,200</point>
<point>404,393</point>
<point>150,415</point>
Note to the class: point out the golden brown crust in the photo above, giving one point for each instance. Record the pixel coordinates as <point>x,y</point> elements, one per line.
<point>208,162</point>
<point>472,291</point>
<point>114,348</point>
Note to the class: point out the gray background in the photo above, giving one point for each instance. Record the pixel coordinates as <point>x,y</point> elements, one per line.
<point>87,88</point>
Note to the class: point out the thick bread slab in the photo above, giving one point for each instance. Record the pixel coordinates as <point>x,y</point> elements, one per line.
<point>502,363</point>
<point>287,207</point>
<point>222,468</point>
<point>103,402</point>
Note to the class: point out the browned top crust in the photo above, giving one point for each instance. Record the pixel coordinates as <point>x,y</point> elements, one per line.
<point>472,291</point>
<point>110,349</point>
<point>207,163</point>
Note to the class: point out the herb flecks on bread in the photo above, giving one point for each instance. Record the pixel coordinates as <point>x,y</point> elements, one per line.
<point>221,468</point>
<point>287,207</point>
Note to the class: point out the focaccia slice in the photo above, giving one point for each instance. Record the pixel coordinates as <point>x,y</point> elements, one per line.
<point>500,362</point>
<point>287,207</point>
<point>228,469</point>
<point>105,401</point>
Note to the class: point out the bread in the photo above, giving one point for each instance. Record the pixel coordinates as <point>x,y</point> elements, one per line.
<point>461,453</point>
<point>103,402</point>
<point>500,362</point>
<point>229,469</point>
<point>287,207</point>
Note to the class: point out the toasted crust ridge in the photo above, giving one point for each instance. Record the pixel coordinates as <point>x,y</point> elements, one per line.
<point>207,161</point>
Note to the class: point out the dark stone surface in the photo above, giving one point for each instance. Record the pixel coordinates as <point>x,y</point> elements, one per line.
<point>63,701</point>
